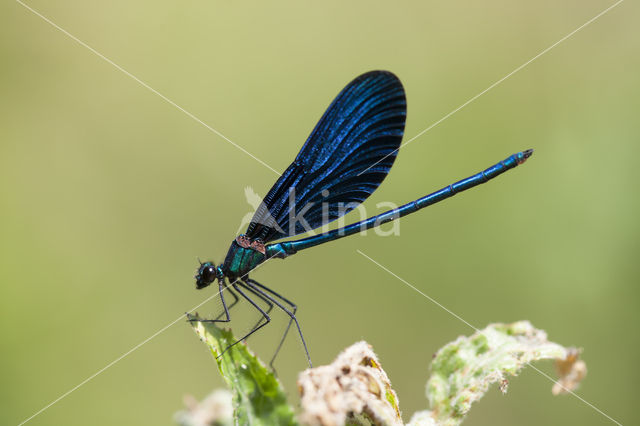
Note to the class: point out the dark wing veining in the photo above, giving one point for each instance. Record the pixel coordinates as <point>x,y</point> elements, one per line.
<point>344,160</point>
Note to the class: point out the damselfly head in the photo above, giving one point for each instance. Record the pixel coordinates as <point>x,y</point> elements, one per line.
<point>207,273</point>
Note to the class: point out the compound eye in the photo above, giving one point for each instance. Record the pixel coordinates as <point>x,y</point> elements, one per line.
<point>209,274</point>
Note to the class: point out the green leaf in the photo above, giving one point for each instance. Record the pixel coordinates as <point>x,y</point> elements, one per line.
<point>257,395</point>
<point>463,370</point>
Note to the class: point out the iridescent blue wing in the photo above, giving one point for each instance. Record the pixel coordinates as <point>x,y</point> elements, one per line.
<point>344,160</point>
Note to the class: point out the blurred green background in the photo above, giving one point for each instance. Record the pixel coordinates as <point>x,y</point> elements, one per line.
<point>109,194</point>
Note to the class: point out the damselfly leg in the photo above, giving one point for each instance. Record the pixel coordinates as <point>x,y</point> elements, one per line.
<point>265,316</point>
<point>234,303</point>
<point>266,301</point>
<point>249,283</point>
<point>294,309</point>
<point>222,288</point>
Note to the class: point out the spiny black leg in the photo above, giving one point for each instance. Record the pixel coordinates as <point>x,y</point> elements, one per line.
<point>234,303</point>
<point>255,305</point>
<point>294,309</point>
<point>250,283</point>
<point>224,305</point>
<point>264,287</point>
<point>265,300</point>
